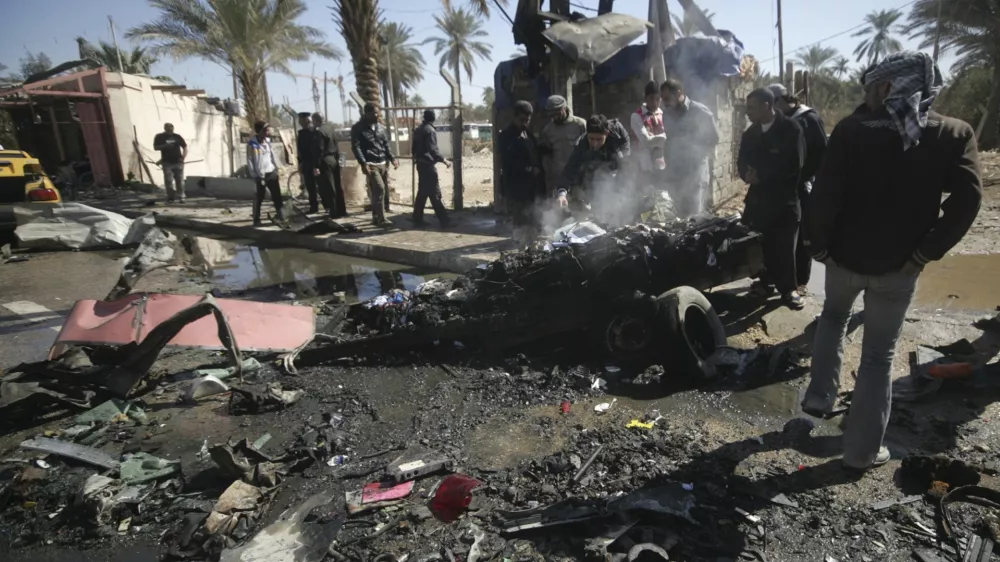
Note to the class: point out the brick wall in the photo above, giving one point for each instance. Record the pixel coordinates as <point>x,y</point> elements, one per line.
<point>731,122</point>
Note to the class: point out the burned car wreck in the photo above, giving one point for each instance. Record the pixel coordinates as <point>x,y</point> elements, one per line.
<point>634,292</point>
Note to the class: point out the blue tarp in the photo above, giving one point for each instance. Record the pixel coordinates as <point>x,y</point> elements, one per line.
<point>695,61</point>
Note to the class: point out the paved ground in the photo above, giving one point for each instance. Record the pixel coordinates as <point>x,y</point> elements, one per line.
<point>36,294</point>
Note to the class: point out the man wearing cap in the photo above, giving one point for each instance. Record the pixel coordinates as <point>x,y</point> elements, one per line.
<point>426,155</point>
<point>522,183</point>
<point>814,133</point>
<point>307,150</point>
<point>263,168</point>
<point>328,179</point>
<point>370,144</point>
<point>558,138</point>
<point>590,176</point>
<point>877,217</point>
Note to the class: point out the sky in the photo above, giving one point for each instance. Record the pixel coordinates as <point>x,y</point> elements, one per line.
<point>51,26</point>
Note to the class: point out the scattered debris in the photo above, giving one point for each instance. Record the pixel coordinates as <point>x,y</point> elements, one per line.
<point>453,497</point>
<point>247,400</point>
<point>200,387</point>
<point>71,450</point>
<point>299,535</point>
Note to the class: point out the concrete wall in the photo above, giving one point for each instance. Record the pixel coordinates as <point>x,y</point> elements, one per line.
<point>139,111</point>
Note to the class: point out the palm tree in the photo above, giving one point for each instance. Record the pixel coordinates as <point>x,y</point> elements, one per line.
<point>878,40</point>
<point>970,29</point>
<point>135,61</point>
<point>687,26</point>
<point>841,67</point>
<point>417,100</point>
<point>406,61</point>
<point>519,52</point>
<point>458,46</point>
<point>489,97</point>
<point>250,37</point>
<point>358,21</point>
<point>479,7</point>
<point>817,59</point>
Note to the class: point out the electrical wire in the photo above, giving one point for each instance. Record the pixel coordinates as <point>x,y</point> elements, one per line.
<point>582,7</point>
<point>835,35</point>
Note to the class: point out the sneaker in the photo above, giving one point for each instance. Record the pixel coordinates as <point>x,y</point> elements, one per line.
<point>793,301</point>
<point>881,458</point>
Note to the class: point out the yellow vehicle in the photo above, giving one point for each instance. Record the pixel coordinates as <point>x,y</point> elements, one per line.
<point>22,181</point>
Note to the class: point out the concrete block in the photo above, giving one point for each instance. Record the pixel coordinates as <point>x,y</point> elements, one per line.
<point>241,189</point>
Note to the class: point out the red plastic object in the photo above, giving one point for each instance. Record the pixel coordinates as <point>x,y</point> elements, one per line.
<point>565,406</point>
<point>453,497</point>
<point>257,326</point>
<point>381,491</point>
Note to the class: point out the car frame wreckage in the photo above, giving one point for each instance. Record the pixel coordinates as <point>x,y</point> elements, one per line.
<point>635,292</point>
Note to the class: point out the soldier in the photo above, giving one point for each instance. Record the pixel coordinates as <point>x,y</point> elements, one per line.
<point>330,190</point>
<point>558,139</point>
<point>307,148</point>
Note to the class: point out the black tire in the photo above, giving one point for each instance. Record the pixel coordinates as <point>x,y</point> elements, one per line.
<point>697,329</point>
<point>632,331</point>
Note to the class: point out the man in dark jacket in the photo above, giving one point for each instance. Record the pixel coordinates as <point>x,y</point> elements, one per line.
<point>328,179</point>
<point>522,183</point>
<point>370,143</point>
<point>307,149</point>
<point>590,176</point>
<point>426,155</point>
<point>770,160</point>
<point>814,133</point>
<point>876,219</point>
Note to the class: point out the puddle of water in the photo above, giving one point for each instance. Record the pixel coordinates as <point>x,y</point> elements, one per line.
<point>235,265</point>
<point>960,282</point>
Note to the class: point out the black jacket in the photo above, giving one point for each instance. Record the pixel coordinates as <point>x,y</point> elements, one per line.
<point>874,206</point>
<point>777,155</point>
<point>370,143</point>
<point>518,155</point>
<point>814,133</point>
<point>615,150</point>
<point>308,148</point>
<point>425,145</point>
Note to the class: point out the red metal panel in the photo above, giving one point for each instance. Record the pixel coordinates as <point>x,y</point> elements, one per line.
<point>257,326</point>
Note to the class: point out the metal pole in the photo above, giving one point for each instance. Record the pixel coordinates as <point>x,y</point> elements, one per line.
<point>114,37</point>
<point>781,48</point>
<point>326,105</point>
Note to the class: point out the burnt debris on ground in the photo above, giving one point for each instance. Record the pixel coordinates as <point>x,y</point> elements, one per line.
<point>401,433</point>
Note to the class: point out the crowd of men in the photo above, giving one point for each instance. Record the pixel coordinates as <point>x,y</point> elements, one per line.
<point>601,168</point>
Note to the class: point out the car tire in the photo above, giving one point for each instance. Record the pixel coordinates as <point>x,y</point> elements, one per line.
<point>632,331</point>
<point>697,329</point>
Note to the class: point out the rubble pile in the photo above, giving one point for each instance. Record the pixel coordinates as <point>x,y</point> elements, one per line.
<point>571,269</point>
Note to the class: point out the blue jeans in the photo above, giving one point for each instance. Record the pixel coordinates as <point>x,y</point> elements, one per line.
<point>887,298</point>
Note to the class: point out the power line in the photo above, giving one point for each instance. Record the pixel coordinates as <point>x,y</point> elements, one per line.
<point>582,7</point>
<point>834,36</point>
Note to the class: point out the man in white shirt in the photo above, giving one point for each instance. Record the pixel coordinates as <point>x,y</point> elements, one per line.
<point>263,168</point>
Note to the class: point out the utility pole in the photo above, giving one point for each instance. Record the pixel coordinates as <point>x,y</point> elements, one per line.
<point>326,105</point>
<point>114,37</point>
<point>781,48</point>
<point>937,36</point>
<point>344,109</point>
